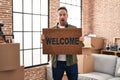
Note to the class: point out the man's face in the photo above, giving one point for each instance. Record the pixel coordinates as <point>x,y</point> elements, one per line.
<point>62,17</point>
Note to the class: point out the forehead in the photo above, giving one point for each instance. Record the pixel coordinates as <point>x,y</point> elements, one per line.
<point>62,11</point>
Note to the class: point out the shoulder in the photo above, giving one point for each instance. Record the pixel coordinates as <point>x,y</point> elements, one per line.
<point>54,27</point>
<point>71,26</point>
<point>68,25</point>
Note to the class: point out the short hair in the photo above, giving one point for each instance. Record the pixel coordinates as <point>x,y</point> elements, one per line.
<point>64,8</point>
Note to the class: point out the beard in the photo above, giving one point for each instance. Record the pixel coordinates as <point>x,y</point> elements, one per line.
<point>63,22</point>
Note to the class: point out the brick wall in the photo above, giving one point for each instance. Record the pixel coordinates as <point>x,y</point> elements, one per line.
<point>107,18</point>
<point>102,17</point>
<point>6,15</point>
<point>54,5</point>
<point>36,73</point>
<point>87,13</point>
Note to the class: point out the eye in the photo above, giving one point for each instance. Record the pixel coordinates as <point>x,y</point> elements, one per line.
<point>64,14</point>
<point>60,14</point>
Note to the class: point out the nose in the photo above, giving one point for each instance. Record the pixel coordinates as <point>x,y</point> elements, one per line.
<point>62,16</point>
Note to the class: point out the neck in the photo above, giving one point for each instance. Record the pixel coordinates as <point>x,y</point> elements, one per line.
<point>62,24</point>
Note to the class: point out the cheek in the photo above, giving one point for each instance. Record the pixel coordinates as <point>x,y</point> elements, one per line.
<point>58,18</point>
<point>66,18</point>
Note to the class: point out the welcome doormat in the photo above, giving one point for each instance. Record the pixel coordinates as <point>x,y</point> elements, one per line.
<point>62,41</point>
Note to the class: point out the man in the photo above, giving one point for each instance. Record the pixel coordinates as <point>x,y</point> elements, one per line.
<point>61,63</point>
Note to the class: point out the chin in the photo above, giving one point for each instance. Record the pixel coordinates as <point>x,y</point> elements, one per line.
<point>63,24</point>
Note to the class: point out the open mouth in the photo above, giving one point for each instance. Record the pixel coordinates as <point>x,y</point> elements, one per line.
<point>62,20</point>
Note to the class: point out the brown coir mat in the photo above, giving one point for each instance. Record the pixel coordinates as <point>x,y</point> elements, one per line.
<point>62,41</point>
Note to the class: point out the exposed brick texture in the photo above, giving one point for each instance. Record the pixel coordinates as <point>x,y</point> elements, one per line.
<point>54,5</point>
<point>107,18</point>
<point>103,19</point>
<point>36,73</point>
<point>87,12</point>
<point>6,15</point>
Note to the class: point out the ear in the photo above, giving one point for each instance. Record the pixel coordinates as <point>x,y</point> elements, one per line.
<point>67,15</point>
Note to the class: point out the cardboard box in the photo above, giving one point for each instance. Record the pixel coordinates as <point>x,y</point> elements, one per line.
<point>85,63</point>
<point>97,42</point>
<point>86,50</point>
<point>17,74</point>
<point>9,56</point>
<point>98,51</point>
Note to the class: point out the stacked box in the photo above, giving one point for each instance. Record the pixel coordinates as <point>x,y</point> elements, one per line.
<point>96,50</point>
<point>86,50</point>
<point>85,63</point>
<point>10,68</point>
<point>9,56</point>
<point>17,74</point>
<point>97,44</point>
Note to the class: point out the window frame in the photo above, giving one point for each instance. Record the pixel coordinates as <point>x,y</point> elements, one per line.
<point>22,32</point>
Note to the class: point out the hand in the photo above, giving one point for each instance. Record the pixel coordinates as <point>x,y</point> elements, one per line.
<point>42,38</point>
<point>81,39</point>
